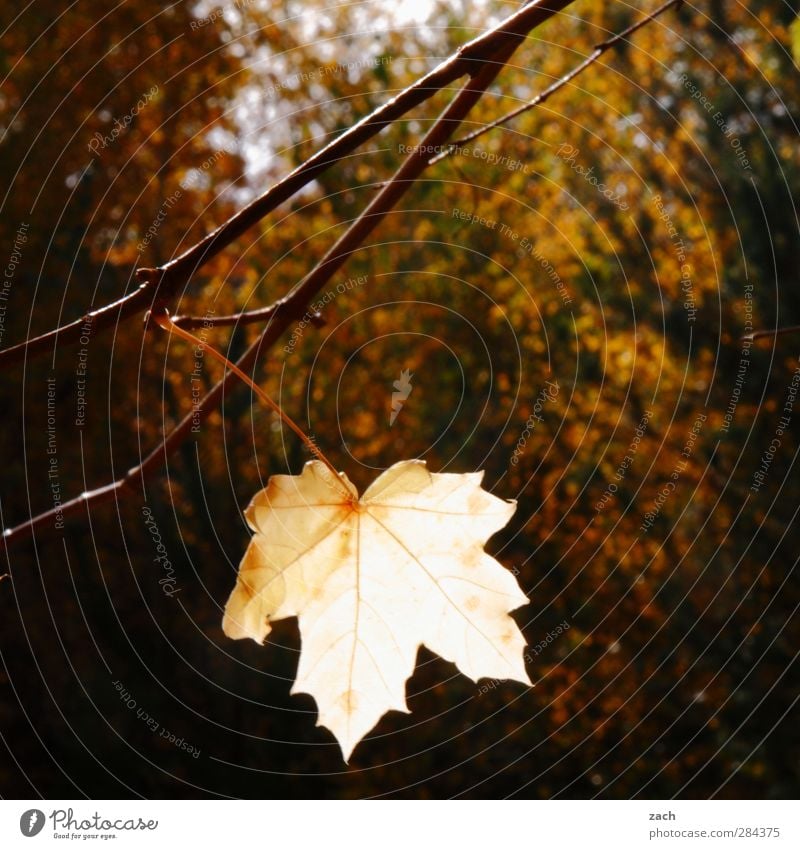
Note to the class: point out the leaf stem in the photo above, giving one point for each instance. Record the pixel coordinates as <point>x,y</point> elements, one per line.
<point>163,319</point>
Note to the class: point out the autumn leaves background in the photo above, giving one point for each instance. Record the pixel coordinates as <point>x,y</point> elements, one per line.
<point>676,673</point>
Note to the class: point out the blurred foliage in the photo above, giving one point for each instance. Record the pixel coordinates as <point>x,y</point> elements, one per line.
<point>677,675</point>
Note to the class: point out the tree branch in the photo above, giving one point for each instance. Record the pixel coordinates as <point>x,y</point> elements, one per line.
<point>769,334</point>
<point>296,302</point>
<point>159,285</point>
<point>190,322</point>
<point>599,50</point>
<point>135,303</point>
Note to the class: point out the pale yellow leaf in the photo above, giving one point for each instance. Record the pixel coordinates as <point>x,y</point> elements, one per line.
<point>372,579</point>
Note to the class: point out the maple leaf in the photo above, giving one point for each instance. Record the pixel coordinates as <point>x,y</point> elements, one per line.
<point>372,579</point>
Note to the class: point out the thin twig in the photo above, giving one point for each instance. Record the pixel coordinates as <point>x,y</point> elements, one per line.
<point>190,322</point>
<point>599,50</point>
<point>159,285</point>
<point>135,303</point>
<point>770,334</point>
<point>298,299</point>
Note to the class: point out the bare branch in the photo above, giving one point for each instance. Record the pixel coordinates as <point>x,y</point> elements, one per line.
<point>599,50</point>
<point>770,334</point>
<point>189,322</point>
<point>160,285</point>
<point>295,304</point>
<point>135,303</point>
